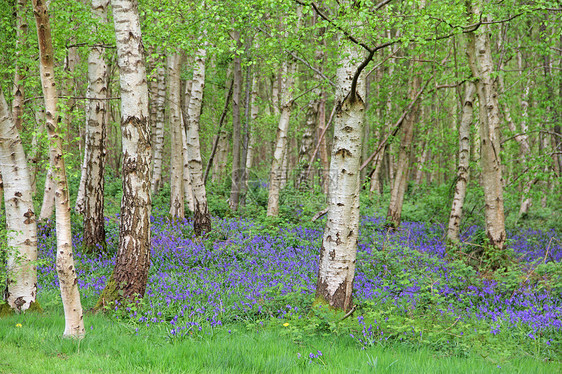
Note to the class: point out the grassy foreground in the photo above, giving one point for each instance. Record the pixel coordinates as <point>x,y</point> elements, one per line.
<point>111,346</point>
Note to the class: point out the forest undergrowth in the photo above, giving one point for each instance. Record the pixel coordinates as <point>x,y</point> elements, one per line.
<point>253,278</point>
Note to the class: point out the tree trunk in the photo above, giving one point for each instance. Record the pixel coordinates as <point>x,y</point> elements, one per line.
<point>158,136</point>
<point>48,205</point>
<point>422,162</point>
<point>21,69</point>
<point>523,141</point>
<point>152,95</point>
<point>376,183</point>
<point>21,225</point>
<point>321,120</point>
<point>129,277</point>
<point>464,161</point>
<point>481,64</point>
<point>553,111</point>
<point>219,166</point>
<point>277,172</point>
<point>307,141</point>
<point>401,174</point>
<point>323,150</point>
<point>74,323</point>
<point>187,188</point>
<point>236,126</point>
<point>336,269</point>
<point>557,136</point>
<point>176,128</point>
<point>34,154</point>
<point>254,112</point>
<point>201,218</point>
<point>93,169</point>
<point>68,102</point>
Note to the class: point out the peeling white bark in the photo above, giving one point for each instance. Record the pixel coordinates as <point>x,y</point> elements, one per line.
<point>176,129</point>
<point>129,277</point>
<point>482,66</point>
<point>158,136</point>
<point>90,200</point>
<point>277,173</point>
<point>21,224</point>
<point>339,243</point>
<point>463,166</point>
<point>21,69</point>
<point>202,221</point>
<point>74,323</point>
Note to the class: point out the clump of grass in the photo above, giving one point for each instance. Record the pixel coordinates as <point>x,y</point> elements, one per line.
<point>32,343</point>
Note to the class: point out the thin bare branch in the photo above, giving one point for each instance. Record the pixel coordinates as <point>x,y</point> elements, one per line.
<point>397,125</point>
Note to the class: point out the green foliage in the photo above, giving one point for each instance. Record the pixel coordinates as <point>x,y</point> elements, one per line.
<point>113,346</point>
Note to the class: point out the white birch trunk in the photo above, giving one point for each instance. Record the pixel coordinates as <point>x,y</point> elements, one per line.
<point>254,113</point>
<point>202,218</point>
<point>277,173</point>
<point>234,199</point>
<point>522,140</point>
<point>34,154</point>
<point>158,135</point>
<point>21,225</point>
<point>187,189</point>
<point>464,161</point>
<point>176,129</point>
<point>482,66</point>
<point>21,69</point>
<point>48,205</point>
<point>91,201</point>
<point>74,323</point>
<point>307,140</point>
<point>129,277</point>
<point>336,269</point>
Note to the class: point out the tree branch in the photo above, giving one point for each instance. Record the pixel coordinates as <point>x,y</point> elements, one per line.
<point>216,143</point>
<point>320,141</point>
<point>397,126</point>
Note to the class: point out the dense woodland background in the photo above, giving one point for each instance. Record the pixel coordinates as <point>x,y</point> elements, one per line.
<point>247,109</point>
<point>261,37</point>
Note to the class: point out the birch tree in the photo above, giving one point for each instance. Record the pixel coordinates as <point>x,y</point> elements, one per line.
<point>129,277</point>
<point>236,124</point>
<point>187,188</point>
<point>279,163</point>
<point>21,225</point>
<point>91,202</point>
<point>482,66</point>
<point>463,166</point>
<point>394,213</point>
<point>158,135</point>
<point>202,218</point>
<point>20,71</point>
<point>176,128</point>
<point>74,323</point>
<point>336,269</point>
<point>276,173</point>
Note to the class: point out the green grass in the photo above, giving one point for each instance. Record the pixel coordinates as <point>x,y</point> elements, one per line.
<point>111,346</point>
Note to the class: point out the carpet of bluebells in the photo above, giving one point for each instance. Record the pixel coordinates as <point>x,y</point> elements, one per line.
<point>246,272</point>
